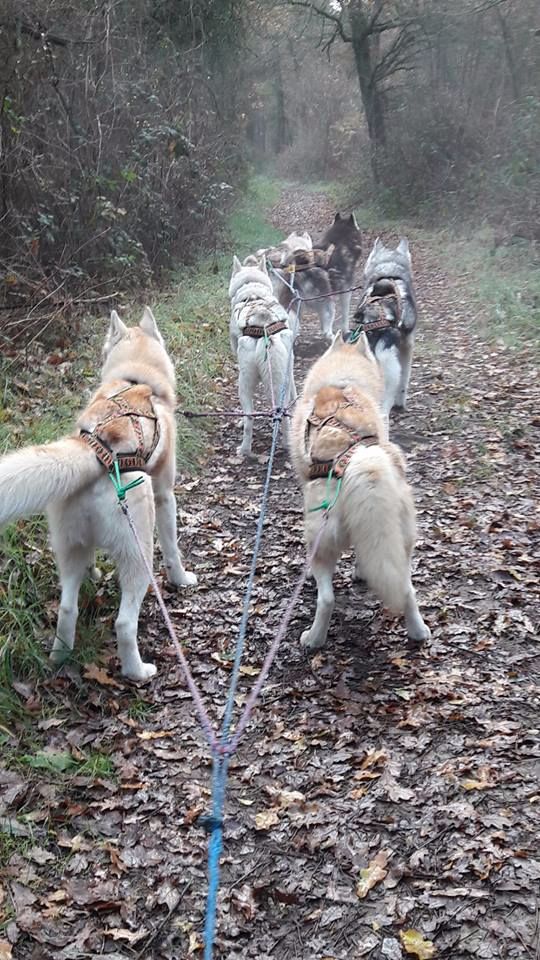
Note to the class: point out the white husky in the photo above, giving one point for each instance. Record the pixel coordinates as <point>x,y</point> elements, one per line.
<point>339,450</point>
<point>131,418</point>
<point>261,340</point>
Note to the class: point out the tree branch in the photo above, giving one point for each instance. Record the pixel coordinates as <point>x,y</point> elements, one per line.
<point>333,17</point>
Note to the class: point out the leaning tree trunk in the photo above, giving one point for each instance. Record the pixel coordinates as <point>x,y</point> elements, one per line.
<point>370,92</point>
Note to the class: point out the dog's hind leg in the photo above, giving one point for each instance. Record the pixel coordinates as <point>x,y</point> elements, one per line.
<point>322,568</point>
<point>73,563</point>
<point>345,304</point>
<point>326,311</point>
<point>133,584</point>
<point>405,356</point>
<point>134,581</point>
<point>248,377</point>
<point>389,361</point>
<point>166,523</point>
<point>416,628</point>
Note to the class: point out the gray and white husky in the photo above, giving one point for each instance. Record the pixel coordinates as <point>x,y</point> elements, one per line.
<point>387,314</point>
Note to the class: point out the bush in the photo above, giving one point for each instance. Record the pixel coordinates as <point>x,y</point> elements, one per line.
<point>116,161</point>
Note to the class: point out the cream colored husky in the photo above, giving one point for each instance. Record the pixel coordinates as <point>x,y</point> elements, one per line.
<point>131,416</point>
<point>337,425</point>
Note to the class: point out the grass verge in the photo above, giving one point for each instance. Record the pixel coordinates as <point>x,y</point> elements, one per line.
<point>39,402</point>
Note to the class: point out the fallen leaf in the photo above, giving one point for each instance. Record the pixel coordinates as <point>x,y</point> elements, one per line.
<point>413,942</point>
<point>93,672</point>
<point>483,783</point>
<point>5,950</point>
<point>371,875</point>
<point>155,734</point>
<point>266,819</point>
<point>120,933</point>
<point>195,943</point>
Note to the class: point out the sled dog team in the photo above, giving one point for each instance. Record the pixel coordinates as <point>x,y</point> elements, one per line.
<point>338,438</point>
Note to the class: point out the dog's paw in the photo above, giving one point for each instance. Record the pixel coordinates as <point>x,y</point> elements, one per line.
<point>420,632</point>
<point>188,580</point>
<point>59,656</point>
<point>311,641</point>
<point>178,577</point>
<point>141,673</point>
<point>245,452</point>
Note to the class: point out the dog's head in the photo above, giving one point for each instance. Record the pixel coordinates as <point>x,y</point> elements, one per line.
<point>119,333</point>
<point>295,242</point>
<point>396,261</point>
<point>132,353</point>
<point>252,270</point>
<point>343,343</point>
<point>381,301</point>
<point>343,232</point>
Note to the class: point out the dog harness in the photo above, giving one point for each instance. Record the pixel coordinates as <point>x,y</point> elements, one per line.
<point>382,322</point>
<point>250,330</point>
<point>337,466</point>
<point>258,331</point>
<point>308,261</point>
<point>121,407</point>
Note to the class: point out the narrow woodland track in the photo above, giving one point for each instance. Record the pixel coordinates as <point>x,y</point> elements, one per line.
<point>422,759</point>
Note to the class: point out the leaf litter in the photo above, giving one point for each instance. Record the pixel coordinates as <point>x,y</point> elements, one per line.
<point>384,800</point>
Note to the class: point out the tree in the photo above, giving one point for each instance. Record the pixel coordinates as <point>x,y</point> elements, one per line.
<point>385,41</point>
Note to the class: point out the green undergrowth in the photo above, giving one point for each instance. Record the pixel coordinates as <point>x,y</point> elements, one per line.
<point>39,402</point>
<point>502,284</point>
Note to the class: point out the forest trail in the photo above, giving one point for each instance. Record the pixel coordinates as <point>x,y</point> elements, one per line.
<point>419,764</point>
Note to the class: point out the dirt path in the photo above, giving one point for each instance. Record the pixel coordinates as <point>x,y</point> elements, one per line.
<point>422,760</point>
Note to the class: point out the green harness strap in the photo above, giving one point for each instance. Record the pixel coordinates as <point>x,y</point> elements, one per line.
<point>121,488</point>
<point>327,504</point>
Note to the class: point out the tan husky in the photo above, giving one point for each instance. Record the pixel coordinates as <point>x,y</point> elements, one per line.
<point>337,426</point>
<point>130,418</point>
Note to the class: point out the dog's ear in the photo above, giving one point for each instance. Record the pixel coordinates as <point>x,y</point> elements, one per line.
<point>307,238</point>
<point>337,217</point>
<point>403,247</point>
<point>372,253</point>
<point>337,342</point>
<point>236,266</point>
<point>149,326</point>
<point>364,347</point>
<point>262,265</point>
<point>117,328</point>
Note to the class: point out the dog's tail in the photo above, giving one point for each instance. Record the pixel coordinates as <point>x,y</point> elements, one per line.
<point>378,512</point>
<point>32,477</point>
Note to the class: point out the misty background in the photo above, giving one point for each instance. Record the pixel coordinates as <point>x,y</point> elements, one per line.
<point>129,127</point>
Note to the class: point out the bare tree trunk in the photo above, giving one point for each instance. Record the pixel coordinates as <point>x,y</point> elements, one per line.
<point>372,97</point>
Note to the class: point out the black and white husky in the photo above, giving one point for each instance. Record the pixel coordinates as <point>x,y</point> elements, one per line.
<point>387,314</point>
<point>345,239</point>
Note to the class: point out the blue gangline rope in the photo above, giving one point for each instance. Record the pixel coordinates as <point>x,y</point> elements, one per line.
<point>214,824</point>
